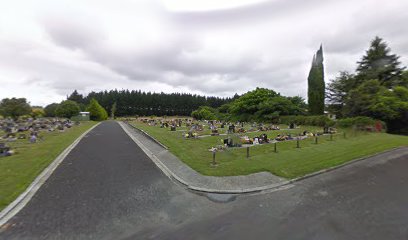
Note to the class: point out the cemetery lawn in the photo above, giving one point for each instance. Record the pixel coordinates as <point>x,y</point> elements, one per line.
<point>289,162</point>
<point>17,172</point>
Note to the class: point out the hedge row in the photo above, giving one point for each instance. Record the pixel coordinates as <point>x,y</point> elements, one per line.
<point>356,121</point>
<point>321,121</point>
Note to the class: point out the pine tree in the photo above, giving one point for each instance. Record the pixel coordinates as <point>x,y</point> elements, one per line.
<point>379,63</point>
<point>76,97</point>
<point>316,85</point>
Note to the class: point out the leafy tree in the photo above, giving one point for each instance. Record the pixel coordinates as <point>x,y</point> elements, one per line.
<point>316,85</point>
<point>376,101</point>
<point>360,99</point>
<point>249,102</point>
<point>300,104</point>
<point>379,63</point>
<point>67,109</point>
<point>37,112</point>
<point>204,112</point>
<point>96,111</point>
<point>14,107</point>
<point>264,105</point>
<point>338,90</point>
<point>391,106</point>
<point>50,109</point>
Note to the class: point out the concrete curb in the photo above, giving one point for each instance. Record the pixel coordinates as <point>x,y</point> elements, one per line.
<point>171,175</point>
<point>148,135</point>
<point>14,207</point>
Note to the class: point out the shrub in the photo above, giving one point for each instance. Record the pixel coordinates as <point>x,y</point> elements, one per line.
<point>355,121</point>
<point>320,120</point>
<point>51,109</point>
<point>204,112</point>
<point>67,109</point>
<point>96,111</point>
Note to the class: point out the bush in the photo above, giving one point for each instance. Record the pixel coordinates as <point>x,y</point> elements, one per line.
<point>37,112</point>
<point>321,120</point>
<point>67,109</point>
<point>14,107</point>
<point>355,121</point>
<point>96,111</point>
<point>204,112</point>
<point>51,109</point>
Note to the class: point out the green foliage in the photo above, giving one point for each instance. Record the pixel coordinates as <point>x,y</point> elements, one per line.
<point>50,110</point>
<point>361,98</point>
<point>76,97</point>
<point>319,120</point>
<point>113,110</point>
<point>131,103</point>
<point>355,121</point>
<point>96,111</point>
<point>264,104</point>
<point>379,63</point>
<point>404,80</point>
<point>14,107</point>
<point>392,107</point>
<point>67,109</point>
<point>204,112</point>
<point>373,100</point>
<point>37,112</point>
<point>377,90</point>
<point>337,92</point>
<point>316,85</point>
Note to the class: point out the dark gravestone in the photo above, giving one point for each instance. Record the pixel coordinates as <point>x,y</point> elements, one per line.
<point>231,129</point>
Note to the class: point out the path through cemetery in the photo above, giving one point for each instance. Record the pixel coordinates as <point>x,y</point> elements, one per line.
<point>107,188</point>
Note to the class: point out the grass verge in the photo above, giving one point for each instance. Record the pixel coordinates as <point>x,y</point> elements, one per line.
<point>18,171</point>
<point>289,162</point>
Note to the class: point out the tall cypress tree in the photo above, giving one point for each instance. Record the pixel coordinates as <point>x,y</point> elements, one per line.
<point>316,85</point>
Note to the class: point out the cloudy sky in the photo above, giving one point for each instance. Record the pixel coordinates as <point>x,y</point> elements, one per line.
<point>48,48</point>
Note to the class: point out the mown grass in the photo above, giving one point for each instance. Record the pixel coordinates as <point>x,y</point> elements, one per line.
<point>18,171</point>
<point>288,162</point>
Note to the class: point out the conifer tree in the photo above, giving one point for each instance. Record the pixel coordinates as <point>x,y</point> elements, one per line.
<point>316,85</point>
<point>379,63</point>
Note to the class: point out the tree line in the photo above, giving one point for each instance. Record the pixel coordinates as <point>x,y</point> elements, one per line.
<point>136,102</point>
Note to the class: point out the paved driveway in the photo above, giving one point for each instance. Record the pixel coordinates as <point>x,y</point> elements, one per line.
<point>107,188</point>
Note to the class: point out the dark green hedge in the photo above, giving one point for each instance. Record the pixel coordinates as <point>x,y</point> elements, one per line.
<point>307,120</point>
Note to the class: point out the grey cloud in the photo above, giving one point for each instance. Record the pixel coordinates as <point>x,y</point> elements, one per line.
<point>73,32</point>
<point>247,14</point>
<point>268,44</point>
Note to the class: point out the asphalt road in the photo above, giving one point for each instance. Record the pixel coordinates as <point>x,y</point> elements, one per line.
<point>107,188</point>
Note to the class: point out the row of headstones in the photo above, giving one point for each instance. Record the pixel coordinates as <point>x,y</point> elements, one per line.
<point>29,129</point>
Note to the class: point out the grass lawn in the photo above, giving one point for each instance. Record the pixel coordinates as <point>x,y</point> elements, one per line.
<point>288,162</point>
<point>18,171</point>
